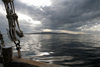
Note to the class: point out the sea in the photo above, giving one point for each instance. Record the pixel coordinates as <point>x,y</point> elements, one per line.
<point>72,50</point>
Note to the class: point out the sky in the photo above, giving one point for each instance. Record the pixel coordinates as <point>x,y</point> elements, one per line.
<point>72,16</point>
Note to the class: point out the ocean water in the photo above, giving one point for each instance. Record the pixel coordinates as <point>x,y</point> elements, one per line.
<point>62,49</point>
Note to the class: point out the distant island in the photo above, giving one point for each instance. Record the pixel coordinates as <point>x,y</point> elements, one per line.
<point>49,33</point>
<point>57,32</point>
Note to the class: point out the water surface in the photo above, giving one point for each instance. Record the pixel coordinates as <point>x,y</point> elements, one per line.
<point>62,49</point>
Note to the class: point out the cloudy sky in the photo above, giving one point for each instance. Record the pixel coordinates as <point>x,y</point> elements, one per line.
<point>55,15</point>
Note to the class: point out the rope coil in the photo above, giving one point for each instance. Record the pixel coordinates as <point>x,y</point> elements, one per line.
<point>14,28</point>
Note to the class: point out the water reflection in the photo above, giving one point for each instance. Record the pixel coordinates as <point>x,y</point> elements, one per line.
<point>67,50</point>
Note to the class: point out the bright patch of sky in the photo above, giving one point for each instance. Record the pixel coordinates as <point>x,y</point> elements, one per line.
<point>47,30</point>
<point>62,31</point>
<point>93,28</point>
<point>2,10</point>
<point>37,3</point>
<point>28,19</point>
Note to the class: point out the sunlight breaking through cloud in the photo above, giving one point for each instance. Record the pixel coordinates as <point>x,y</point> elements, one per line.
<point>62,31</point>
<point>28,19</point>
<point>47,30</point>
<point>37,3</point>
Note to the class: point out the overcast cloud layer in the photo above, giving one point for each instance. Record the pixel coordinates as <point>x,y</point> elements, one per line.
<point>73,15</point>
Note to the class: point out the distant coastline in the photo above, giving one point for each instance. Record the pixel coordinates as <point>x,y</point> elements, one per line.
<point>52,33</point>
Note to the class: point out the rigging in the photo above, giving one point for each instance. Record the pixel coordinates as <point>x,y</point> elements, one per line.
<point>14,28</point>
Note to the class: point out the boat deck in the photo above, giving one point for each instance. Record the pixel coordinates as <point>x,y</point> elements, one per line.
<point>20,62</point>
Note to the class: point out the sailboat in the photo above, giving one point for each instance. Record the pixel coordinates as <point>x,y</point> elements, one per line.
<point>6,58</point>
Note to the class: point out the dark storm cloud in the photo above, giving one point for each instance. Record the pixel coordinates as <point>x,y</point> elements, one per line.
<point>62,14</point>
<point>70,14</point>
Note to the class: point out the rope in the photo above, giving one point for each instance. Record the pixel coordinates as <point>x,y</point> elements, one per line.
<point>14,28</point>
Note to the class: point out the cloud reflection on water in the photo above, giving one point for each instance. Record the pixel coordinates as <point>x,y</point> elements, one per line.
<point>62,49</point>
